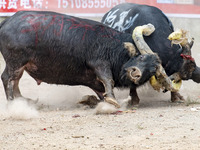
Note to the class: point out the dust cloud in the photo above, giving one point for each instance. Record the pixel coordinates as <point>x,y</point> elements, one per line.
<point>19,109</point>
<point>105,108</point>
<point>54,97</point>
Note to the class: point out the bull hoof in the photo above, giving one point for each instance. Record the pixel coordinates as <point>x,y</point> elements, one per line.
<point>177,98</point>
<point>133,106</point>
<point>89,100</point>
<point>178,101</point>
<point>112,101</point>
<point>133,103</point>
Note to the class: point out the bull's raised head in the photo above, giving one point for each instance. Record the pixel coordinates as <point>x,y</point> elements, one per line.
<point>188,70</point>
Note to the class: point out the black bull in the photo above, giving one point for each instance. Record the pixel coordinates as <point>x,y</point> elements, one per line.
<point>125,17</point>
<point>60,49</point>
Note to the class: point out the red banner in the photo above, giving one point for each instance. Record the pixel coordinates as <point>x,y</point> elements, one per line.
<point>190,8</point>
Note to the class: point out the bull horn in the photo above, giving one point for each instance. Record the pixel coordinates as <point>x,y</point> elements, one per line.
<point>142,46</point>
<point>175,77</point>
<point>179,37</point>
<point>137,36</point>
<point>131,48</point>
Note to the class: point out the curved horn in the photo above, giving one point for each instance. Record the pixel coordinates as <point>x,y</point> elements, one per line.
<point>179,37</point>
<point>137,36</point>
<point>142,46</point>
<point>131,48</point>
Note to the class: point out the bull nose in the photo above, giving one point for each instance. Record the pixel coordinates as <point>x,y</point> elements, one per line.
<point>134,74</point>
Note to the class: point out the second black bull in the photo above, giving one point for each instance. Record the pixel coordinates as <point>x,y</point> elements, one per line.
<point>61,49</point>
<point>175,59</point>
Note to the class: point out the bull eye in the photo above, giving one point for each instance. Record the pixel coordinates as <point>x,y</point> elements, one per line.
<point>141,57</point>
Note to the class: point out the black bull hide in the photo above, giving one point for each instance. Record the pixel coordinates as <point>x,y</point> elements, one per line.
<point>125,17</point>
<point>60,49</point>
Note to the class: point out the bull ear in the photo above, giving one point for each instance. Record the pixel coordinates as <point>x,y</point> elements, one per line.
<point>131,48</point>
<point>187,47</point>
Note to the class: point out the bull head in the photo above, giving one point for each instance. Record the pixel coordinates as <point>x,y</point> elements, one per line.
<point>189,70</point>
<point>137,69</point>
<point>162,80</point>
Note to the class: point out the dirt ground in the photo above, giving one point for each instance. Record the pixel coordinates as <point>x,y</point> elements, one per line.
<point>58,122</point>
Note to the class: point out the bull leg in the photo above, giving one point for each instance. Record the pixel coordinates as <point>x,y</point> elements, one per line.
<point>104,75</point>
<point>10,81</point>
<point>176,97</point>
<point>134,97</point>
<point>7,84</point>
<point>16,90</point>
<point>109,94</point>
<point>18,74</point>
<point>99,94</point>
